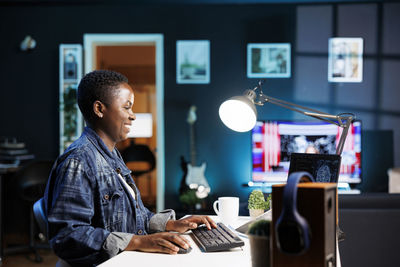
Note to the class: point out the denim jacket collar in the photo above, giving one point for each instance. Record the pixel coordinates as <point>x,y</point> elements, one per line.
<point>113,158</point>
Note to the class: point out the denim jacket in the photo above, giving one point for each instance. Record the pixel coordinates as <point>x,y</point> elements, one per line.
<point>91,214</point>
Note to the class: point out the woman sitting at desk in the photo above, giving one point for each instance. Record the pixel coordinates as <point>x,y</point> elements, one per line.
<point>93,206</point>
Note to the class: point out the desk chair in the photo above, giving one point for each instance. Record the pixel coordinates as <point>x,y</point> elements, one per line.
<point>39,211</point>
<point>140,160</point>
<point>40,215</point>
<point>31,183</point>
<point>141,156</point>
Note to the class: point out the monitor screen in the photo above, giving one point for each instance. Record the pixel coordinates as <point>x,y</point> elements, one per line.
<point>274,141</point>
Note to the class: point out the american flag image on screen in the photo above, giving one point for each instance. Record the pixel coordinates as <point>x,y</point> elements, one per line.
<point>274,141</point>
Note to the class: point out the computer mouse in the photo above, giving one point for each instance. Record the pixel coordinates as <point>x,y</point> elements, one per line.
<point>184,251</point>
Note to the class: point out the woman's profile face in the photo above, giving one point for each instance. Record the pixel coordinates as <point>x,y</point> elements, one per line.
<point>118,115</point>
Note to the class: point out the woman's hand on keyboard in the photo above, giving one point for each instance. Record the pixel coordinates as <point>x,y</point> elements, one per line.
<point>188,223</point>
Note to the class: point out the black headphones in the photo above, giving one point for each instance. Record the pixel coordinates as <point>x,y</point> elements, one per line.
<point>292,232</point>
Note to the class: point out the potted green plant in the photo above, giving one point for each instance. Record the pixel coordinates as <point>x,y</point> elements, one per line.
<point>190,201</point>
<point>257,204</point>
<point>259,237</point>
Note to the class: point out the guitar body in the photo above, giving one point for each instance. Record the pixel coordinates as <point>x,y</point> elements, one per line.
<point>195,174</point>
<point>195,179</point>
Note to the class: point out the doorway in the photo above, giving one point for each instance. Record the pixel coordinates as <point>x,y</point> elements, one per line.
<point>140,58</point>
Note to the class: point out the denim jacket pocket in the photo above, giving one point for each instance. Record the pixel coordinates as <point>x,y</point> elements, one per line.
<point>112,207</point>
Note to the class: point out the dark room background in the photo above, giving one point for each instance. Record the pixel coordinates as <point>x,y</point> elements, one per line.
<point>29,81</point>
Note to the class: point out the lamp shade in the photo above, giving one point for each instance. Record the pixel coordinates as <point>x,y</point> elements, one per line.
<point>238,113</point>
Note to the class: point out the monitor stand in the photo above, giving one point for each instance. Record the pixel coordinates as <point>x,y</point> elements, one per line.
<point>344,188</point>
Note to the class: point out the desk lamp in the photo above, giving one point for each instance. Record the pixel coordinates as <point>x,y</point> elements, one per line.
<point>239,113</point>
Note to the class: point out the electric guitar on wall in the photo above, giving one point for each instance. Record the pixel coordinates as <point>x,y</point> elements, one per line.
<point>195,178</point>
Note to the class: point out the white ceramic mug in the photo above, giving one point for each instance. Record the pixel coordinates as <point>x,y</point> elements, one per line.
<point>228,209</point>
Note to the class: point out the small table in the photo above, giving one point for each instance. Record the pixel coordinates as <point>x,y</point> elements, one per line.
<point>3,171</point>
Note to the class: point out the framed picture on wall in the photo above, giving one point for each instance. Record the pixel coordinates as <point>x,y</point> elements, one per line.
<point>345,62</point>
<point>70,67</point>
<point>268,60</point>
<point>192,62</point>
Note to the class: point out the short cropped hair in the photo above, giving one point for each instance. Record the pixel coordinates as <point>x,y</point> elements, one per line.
<point>97,85</point>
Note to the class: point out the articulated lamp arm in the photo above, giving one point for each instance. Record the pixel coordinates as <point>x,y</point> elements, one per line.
<point>342,120</point>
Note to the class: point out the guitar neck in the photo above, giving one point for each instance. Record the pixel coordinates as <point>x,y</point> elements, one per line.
<point>192,146</point>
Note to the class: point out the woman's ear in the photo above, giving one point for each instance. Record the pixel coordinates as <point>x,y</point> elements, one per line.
<point>98,109</point>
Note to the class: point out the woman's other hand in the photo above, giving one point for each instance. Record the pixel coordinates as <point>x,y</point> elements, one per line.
<point>168,243</point>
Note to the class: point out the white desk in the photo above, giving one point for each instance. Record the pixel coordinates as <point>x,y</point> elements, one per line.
<point>239,257</point>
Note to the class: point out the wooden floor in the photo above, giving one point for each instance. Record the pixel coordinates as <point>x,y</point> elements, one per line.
<point>27,259</point>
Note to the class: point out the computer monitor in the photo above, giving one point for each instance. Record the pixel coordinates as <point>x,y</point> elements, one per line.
<point>274,141</point>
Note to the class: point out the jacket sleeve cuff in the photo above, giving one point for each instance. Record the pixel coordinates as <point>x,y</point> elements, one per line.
<point>159,220</point>
<point>116,242</point>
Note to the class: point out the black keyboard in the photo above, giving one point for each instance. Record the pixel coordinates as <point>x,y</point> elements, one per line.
<point>216,239</point>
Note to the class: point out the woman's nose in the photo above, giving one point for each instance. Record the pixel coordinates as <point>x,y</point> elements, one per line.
<point>132,116</point>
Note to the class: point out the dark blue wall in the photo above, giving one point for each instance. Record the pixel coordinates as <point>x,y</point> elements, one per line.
<point>29,81</point>
<point>227,153</point>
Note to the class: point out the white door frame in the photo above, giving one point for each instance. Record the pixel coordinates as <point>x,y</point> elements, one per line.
<point>90,41</point>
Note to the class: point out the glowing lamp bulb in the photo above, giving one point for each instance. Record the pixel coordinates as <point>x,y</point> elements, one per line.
<point>238,113</point>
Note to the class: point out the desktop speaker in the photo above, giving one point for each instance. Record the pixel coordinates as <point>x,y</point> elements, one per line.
<point>304,235</point>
